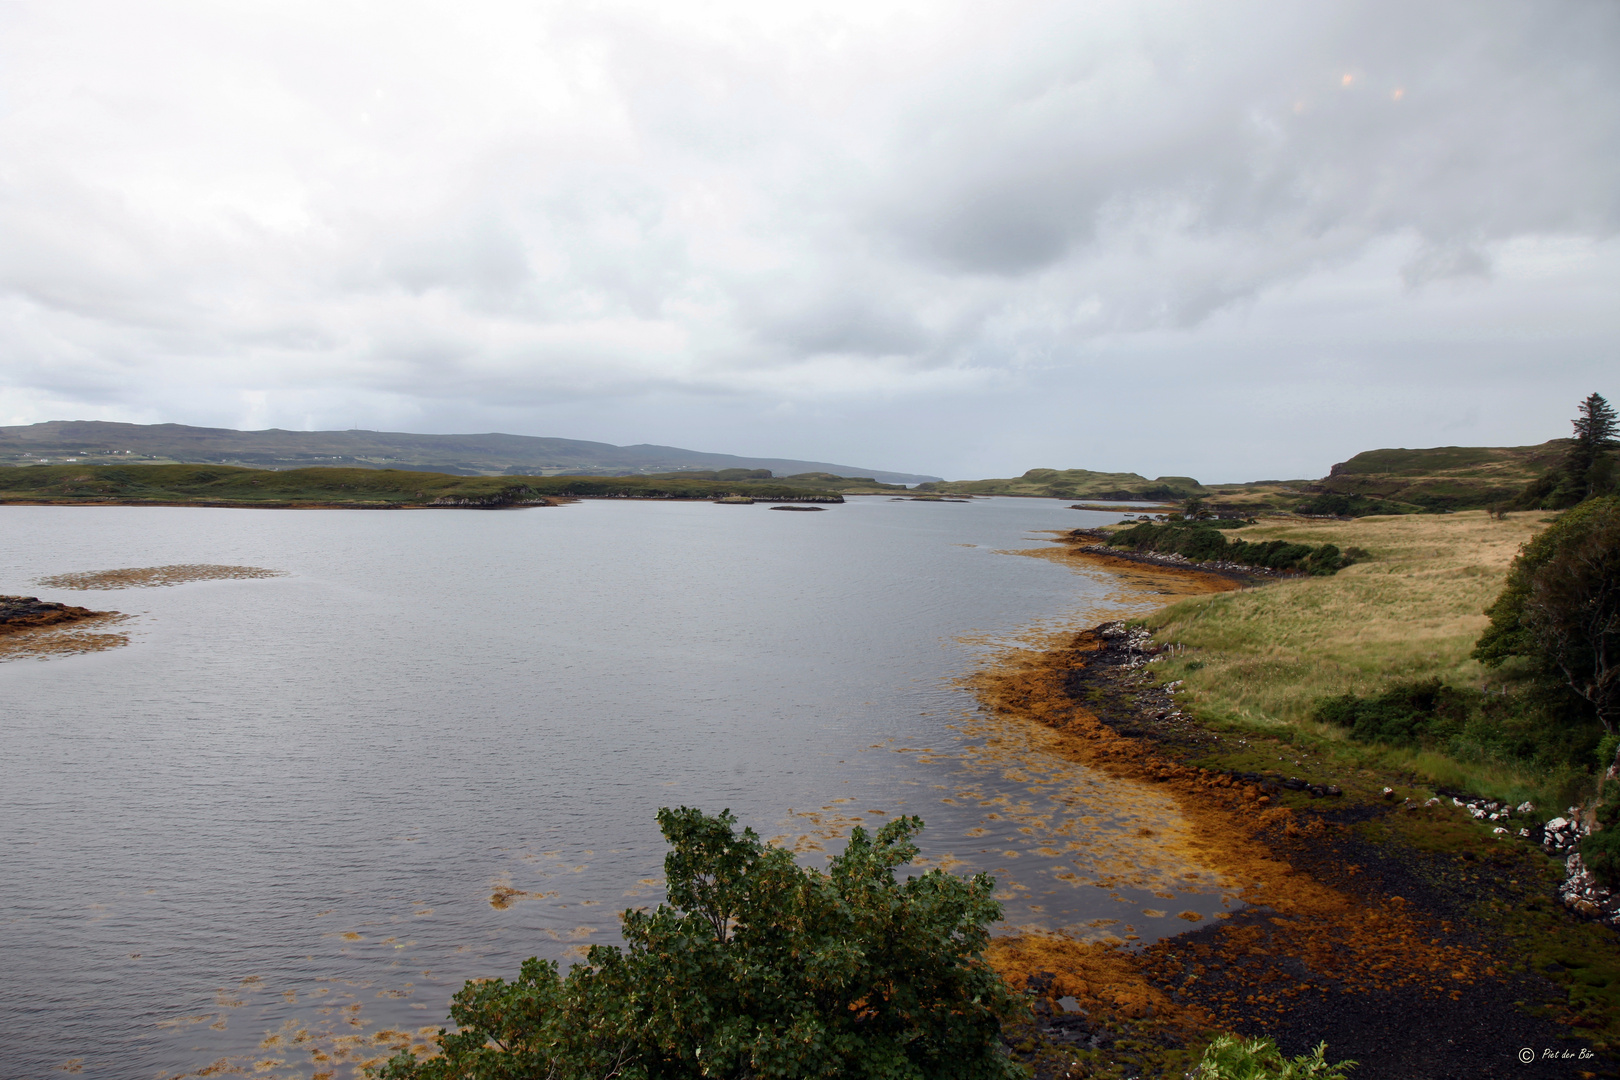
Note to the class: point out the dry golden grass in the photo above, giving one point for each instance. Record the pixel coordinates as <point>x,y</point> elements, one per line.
<point>1263,656</point>
<point>1412,610</point>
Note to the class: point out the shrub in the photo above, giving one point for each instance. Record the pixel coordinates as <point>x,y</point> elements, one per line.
<point>756,967</point>
<point>1560,608</point>
<point>1467,725</point>
<point>1201,542</point>
<point>1232,1058</point>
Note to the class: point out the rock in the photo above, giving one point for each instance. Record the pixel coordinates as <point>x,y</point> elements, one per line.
<point>1334,790</point>
<point>1294,783</point>
<point>1499,831</point>
<point>1582,893</point>
<point>1526,808</point>
<point>1389,793</point>
<point>1560,835</point>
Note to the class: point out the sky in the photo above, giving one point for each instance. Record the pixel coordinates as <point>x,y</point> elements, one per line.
<point>1238,240</point>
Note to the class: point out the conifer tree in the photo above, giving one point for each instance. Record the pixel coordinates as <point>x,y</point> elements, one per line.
<point>1595,430</point>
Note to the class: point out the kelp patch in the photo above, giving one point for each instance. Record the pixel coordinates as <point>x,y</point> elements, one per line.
<point>149,577</point>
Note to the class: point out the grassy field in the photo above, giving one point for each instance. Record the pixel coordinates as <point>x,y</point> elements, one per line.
<point>1259,659</point>
<point>233,486</point>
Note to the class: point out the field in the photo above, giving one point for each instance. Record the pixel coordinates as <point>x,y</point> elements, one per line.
<point>1260,658</point>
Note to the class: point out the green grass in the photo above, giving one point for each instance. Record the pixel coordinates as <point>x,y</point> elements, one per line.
<point>1260,659</point>
<point>231,485</point>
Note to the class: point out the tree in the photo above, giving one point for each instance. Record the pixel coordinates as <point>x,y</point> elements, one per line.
<point>756,967</point>
<point>1560,608</point>
<point>1588,468</point>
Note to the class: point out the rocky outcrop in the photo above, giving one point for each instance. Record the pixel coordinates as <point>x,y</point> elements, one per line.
<point>27,612</point>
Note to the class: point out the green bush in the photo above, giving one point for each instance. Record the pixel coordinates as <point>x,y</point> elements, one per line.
<point>1202,542</point>
<point>1528,727</point>
<point>1232,1058</point>
<point>1336,505</point>
<point>756,967</point>
<point>1600,851</point>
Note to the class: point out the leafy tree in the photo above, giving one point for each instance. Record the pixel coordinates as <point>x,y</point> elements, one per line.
<point>756,967</point>
<point>1560,608</point>
<point>1193,508</point>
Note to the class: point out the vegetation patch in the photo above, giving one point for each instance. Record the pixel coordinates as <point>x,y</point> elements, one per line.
<point>1529,729</point>
<point>1200,542</point>
<point>756,967</point>
<point>355,488</point>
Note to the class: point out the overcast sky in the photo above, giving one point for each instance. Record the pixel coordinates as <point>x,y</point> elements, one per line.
<point>1234,240</point>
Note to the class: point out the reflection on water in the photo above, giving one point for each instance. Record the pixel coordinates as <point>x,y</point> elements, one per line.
<point>281,827</point>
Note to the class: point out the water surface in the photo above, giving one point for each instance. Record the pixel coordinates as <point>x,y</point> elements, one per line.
<point>272,826</point>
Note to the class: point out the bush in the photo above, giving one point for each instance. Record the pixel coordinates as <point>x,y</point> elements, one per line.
<point>1560,609</point>
<point>1467,725</point>
<point>1201,542</point>
<point>1333,504</point>
<point>1232,1058</point>
<point>1600,851</point>
<point>756,967</point>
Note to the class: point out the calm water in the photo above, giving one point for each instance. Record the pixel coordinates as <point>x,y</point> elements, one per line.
<point>285,806</point>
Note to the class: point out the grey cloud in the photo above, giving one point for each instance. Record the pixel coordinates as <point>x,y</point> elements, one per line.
<point>505,206</point>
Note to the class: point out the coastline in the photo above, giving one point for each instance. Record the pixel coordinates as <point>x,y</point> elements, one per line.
<point>1352,933</point>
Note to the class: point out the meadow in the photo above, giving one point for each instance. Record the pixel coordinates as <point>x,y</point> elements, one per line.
<point>1260,659</point>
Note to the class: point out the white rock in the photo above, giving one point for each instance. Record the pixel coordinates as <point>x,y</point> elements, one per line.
<point>1557,824</point>
<point>1527,808</point>
<point>1499,831</point>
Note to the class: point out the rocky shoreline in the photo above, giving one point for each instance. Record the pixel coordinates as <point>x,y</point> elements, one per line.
<point>30,613</point>
<point>1409,934</point>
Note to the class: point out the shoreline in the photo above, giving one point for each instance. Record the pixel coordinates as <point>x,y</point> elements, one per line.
<point>1351,934</point>
<point>458,504</point>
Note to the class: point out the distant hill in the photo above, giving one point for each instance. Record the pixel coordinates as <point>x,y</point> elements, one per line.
<point>140,483</point>
<point>1438,478</point>
<point>1390,481</point>
<point>1077,484</point>
<point>98,442</point>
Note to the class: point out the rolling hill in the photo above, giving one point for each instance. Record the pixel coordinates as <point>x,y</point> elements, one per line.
<point>97,442</point>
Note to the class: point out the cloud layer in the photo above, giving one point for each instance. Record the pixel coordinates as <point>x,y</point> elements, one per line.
<point>957,238</point>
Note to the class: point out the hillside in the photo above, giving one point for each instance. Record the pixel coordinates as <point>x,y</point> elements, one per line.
<point>226,485</point>
<point>1390,481</point>
<point>1443,477</point>
<point>1076,484</point>
<point>98,442</point>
